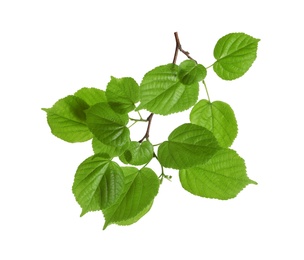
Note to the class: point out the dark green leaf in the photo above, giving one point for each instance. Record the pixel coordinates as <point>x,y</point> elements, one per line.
<point>187,146</point>
<point>235,54</point>
<point>108,126</point>
<point>122,94</point>
<point>222,177</point>
<point>190,72</point>
<point>140,188</point>
<point>162,93</point>
<point>98,183</point>
<point>91,96</point>
<point>137,153</point>
<point>67,119</point>
<point>217,117</point>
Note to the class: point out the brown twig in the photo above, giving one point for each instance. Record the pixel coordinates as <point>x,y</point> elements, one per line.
<point>178,47</point>
<point>146,136</point>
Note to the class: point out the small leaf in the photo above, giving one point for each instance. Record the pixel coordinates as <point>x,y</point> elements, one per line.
<point>108,126</point>
<point>218,117</point>
<point>235,54</point>
<point>222,177</point>
<point>140,189</point>
<point>190,72</point>
<point>98,183</point>
<point>137,153</point>
<point>187,146</point>
<point>122,94</point>
<point>162,93</point>
<point>67,119</point>
<point>91,96</point>
<point>111,151</point>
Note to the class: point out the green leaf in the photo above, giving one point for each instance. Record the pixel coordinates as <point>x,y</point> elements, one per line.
<point>187,146</point>
<point>190,72</point>
<point>136,218</point>
<point>137,153</point>
<point>235,54</point>
<point>108,126</point>
<point>222,177</point>
<point>67,119</point>
<point>91,96</point>
<point>98,183</point>
<point>218,117</point>
<point>111,151</point>
<point>122,94</point>
<point>140,189</point>
<point>162,93</point>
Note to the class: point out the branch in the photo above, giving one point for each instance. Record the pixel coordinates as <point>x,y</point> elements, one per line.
<point>178,47</point>
<point>146,136</point>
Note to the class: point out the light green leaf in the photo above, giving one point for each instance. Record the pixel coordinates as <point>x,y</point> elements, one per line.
<point>111,151</point>
<point>108,126</point>
<point>67,119</point>
<point>98,183</point>
<point>140,189</point>
<point>218,117</point>
<point>122,94</point>
<point>187,146</point>
<point>190,72</point>
<point>137,153</point>
<point>162,93</point>
<point>235,54</point>
<point>91,96</point>
<point>136,218</point>
<point>222,177</point>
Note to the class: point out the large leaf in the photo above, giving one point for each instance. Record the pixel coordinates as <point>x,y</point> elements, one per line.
<point>162,93</point>
<point>235,54</point>
<point>217,117</point>
<point>190,72</point>
<point>222,177</point>
<point>98,183</point>
<point>91,96</point>
<point>141,186</point>
<point>111,151</point>
<point>108,126</point>
<point>187,146</point>
<point>67,119</point>
<point>122,94</point>
<point>137,153</point>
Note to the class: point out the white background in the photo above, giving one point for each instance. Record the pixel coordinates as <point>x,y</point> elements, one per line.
<point>50,49</point>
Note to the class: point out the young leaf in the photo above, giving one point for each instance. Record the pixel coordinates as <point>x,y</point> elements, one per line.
<point>187,146</point>
<point>111,151</point>
<point>217,117</point>
<point>98,183</point>
<point>190,72</point>
<point>140,188</point>
<point>222,177</point>
<point>162,93</point>
<point>108,126</point>
<point>67,119</point>
<point>91,96</point>
<point>122,94</point>
<point>235,54</point>
<point>137,153</point>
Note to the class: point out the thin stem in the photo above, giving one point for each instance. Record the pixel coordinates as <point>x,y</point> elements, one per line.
<point>132,124</point>
<point>206,90</point>
<point>178,47</point>
<point>146,136</point>
<point>210,66</point>
<point>140,115</point>
<point>138,120</point>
